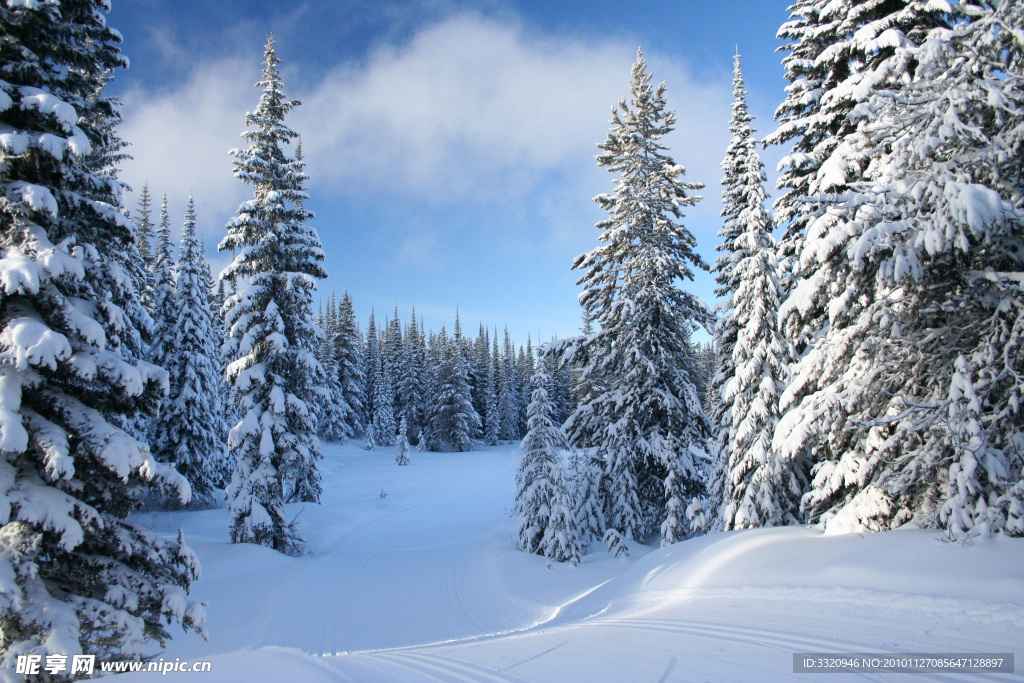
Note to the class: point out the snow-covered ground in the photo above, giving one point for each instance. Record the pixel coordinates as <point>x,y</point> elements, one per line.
<point>425,584</point>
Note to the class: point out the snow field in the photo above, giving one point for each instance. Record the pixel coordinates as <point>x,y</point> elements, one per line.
<point>425,584</point>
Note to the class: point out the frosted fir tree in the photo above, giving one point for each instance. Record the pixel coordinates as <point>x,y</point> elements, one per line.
<point>165,308</point>
<point>371,367</point>
<point>411,383</point>
<point>492,415</point>
<point>752,486</point>
<point>348,351</point>
<point>839,52</point>
<point>508,393</point>
<point>402,444</point>
<point>546,521</point>
<point>481,368</point>
<point>584,482</point>
<point>920,357</point>
<point>271,328</point>
<point>383,406</point>
<point>79,576</point>
<point>647,421</point>
<point>189,431</point>
<point>333,412</point>
<point>453,422</point>
<point>371,440</point>
<point>144,223</point>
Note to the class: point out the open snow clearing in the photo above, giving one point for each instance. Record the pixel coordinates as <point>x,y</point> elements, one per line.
<point>425,584</point>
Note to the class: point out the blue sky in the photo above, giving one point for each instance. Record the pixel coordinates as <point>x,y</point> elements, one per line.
<point>450,144</point>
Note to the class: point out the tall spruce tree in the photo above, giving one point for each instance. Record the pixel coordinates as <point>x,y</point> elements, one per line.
<point>348,351</point>
<point>838,53</point>
<point>453,422</point>
<point>271,327</point>
<point>918,352</point>
<point>189,431</point>
<point>508,393</point>
<point>164,306</point>
<point>411,383</point>
<point>752,486</point>
<point>383,405</point>
<point>547,523</point>
<point>144,223</point>
<point>333,411</point>
<point>81,578</point>
<point>647,422</point>
<point>492,415</point>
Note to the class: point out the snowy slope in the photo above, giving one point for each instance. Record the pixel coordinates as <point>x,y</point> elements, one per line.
<point>425,584</point>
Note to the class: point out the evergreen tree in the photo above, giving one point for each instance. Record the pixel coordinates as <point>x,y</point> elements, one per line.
<point>481,369</point>
<point>752,485</point>
<point>917,353</point>
<point>508,393</point>
<point>371,367</point>
<point>348,351</point>
<point>333,411</point>
<point>546,522</point>
<point>273,369</point>
<point>383,408</point>
<point>492,420</point>
<point>585,475</point>
<point>838,53</point>
<point>411,384</point>
<point>67,308</point>
<point>164,305</point>
<point>393,361</point>
<point>189,432</point>
<point>402,444</point>
<point>144,223</point>
<point>648,423</point>
<point>453,422</point>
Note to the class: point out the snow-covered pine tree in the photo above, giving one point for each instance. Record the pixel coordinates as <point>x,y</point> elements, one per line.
<point>333,412</point>
<point>271,328</point>
<point>647,423</point>
<point>838,53</point>
<point>393,359</point>
<point>586,380</point>
<point>525,367</point>
<point>453,422</point>
<point>189,431</point>
<point>348,345</point>
<point>547,525</point>
<point>492,416</point>
<point>383,405</point>
<point>402,444</point>
<point>481,370</point>
<point>371,367</point>
<point>144,223</point>
<point>561,388</point>
<point>164,305</point>
<point>81,578</point>
<point>919,359</point>
<point>508,393</point>
<point>225,464</point>
<point>465,352</point>
<point>411,383</point>
<point>752,486</point>
<point>584,478</point>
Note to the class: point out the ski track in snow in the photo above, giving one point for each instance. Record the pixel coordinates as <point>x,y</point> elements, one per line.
<point>426,585</point>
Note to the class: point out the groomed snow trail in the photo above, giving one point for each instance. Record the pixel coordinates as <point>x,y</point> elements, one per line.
<point>425,585</point>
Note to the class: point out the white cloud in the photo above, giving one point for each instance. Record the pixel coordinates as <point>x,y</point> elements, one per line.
<point>180,140</point>
<point>467,112</point>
